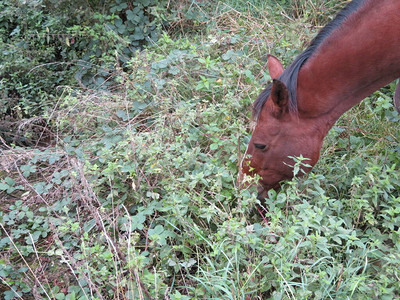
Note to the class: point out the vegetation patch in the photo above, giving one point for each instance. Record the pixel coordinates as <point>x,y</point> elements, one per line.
<point>134,195</point>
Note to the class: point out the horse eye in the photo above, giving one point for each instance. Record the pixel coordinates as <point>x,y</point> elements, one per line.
<point>260,146</point>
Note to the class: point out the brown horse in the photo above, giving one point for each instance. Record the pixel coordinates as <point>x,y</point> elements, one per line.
<point>353,56</point>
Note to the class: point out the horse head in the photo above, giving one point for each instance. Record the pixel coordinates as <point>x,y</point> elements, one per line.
<point>279,134</point>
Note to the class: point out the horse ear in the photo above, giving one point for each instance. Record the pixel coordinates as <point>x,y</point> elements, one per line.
<point>275,67</point>
<point>280,94</point>
<point>397,98</point>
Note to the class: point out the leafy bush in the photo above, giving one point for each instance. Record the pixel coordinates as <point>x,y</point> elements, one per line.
<point>46,45</point>
<point>136,198</point>
<point>29,59</point>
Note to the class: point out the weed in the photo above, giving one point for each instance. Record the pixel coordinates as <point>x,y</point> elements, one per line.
<point>136,198</point>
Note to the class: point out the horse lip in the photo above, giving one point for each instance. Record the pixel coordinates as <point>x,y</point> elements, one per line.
<point>262,190</point>
<point>260,197</point>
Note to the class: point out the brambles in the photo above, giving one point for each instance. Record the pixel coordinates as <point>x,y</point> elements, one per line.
<point>136,196</point>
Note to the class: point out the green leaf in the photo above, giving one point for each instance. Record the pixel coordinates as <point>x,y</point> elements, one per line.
<point>214,146</point>
<point>4,186</point>
<point>157,230</point>
<point>130,15</point>
<point>174,70</point>
<point>138,221</point>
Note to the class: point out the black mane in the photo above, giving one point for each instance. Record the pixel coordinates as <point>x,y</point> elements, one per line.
<point>289,76</point>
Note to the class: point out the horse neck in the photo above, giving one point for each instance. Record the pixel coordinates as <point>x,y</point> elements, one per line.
<point>355,60</point>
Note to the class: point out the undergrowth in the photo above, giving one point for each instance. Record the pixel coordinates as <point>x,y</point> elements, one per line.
<point>136,198</point>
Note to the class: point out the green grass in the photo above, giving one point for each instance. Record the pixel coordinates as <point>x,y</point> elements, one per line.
<point>137,198</point>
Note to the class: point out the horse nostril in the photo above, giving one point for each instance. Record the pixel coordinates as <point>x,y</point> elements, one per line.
<point>260,146</point>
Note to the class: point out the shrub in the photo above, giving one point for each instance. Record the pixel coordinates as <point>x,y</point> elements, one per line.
<point>47,45</point>
<point>137,197</point>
